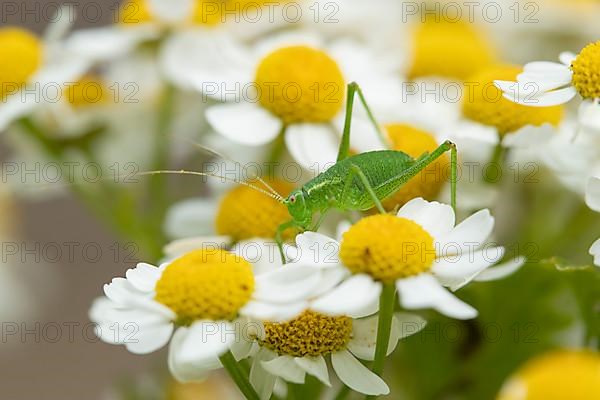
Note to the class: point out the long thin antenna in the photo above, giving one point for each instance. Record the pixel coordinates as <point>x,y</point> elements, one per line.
<point>223,156</point>
<point>195,173</point>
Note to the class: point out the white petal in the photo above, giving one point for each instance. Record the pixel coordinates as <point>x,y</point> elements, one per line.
<point>468,235</point>
<point>180,247</point>
<point>566,57</point>
<point>356,376</point>
<point>595,251</point>
<point>148,339</point>
<point>143,277</point>
<point>529,136</point>
<point>317,250</point>
<point>455,272</point>
<point>546,81</point>
<point>206,341</point>
<point>286,368</point>
<point>60,24</point>
<point>543,67</point>
<point>264,311</point>
<point>183,372</point>
<point>171,10</point>
<point>589,115</point>
<point>210,62</point>
<point>262,381</point>
<point>592,194</point>
<point>313,146</point>
<point>423,291</point>
<point>314,366</point>
<point>409,324</point>
<point>330,278</point>
<point>263,254</point>
<point>103,44</point>
<point>14,107</point>
<point>528,88</point>
<point>350,298</point>
<point>191,217</point>
<point>436,218</point>
<point>244,123</point>
<point>501,270</point>
<point>342,228</point>
<point>287,284</point>
<point>547,99</point>
<point>121,291</point>
<point>364,337</point>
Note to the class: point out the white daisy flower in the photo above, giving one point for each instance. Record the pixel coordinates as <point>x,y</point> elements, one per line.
<point>493,119</point>
<point>35,71</point>
<point>420,250</point>
<point>572,155</point>
<point>200,302</point>
<point>543,84</point>
<point>142,21</point>
<point>293,349</point>
<point>252,81</point>
<point>592,199</point>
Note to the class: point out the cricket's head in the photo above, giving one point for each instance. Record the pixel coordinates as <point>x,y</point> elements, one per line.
<point>298,208</point>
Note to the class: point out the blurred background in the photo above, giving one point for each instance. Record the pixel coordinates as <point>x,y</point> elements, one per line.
<point>56,256</point>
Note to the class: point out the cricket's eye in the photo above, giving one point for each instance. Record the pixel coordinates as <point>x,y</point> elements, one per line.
<point>292,199</point>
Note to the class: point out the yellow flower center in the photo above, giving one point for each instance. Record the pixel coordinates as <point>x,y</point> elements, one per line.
<point>427,183</point>
<point>21,53</point>
<point>300,84</point>
<point>245,213</point>
<point>558,375</point>
<point>206,284</point>
<point>88,90</point>
<point>483,103</point>
<point>387,248</point>
<point>449,49</point>
<point>586,71</point>
<point>311,334</point>
<point>135,12</point>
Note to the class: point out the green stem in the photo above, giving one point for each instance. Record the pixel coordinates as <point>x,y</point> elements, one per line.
<point>236,372</point>
<point>498,161</point>
<point>278,147</point>
<point>157,184</point>
<point>343,393</point>
<point>384,327</point>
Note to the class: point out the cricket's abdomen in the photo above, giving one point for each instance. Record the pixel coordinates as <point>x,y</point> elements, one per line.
<point>382,169</point>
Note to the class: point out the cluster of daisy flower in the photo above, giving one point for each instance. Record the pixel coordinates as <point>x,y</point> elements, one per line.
<point>233,284</point>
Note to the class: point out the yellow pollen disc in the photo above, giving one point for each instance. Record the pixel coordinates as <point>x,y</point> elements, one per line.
<point>245,213</point>
<point>387,248</point>
<point>586,71</point>
<point>206,284</point>
<point>88,90</point>
<point>21,53</point>
<point>311,334</point>
<point>568,374</point>
<point>300,84</point>
<point>448,49</point>
<point>427,183</point>
<point>135,12</point>
<point>483,103</point>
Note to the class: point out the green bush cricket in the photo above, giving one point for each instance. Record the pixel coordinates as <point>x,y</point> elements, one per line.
<point>354,183</point>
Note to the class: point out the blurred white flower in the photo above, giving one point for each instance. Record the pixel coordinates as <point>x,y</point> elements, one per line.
<point>35,71</point>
